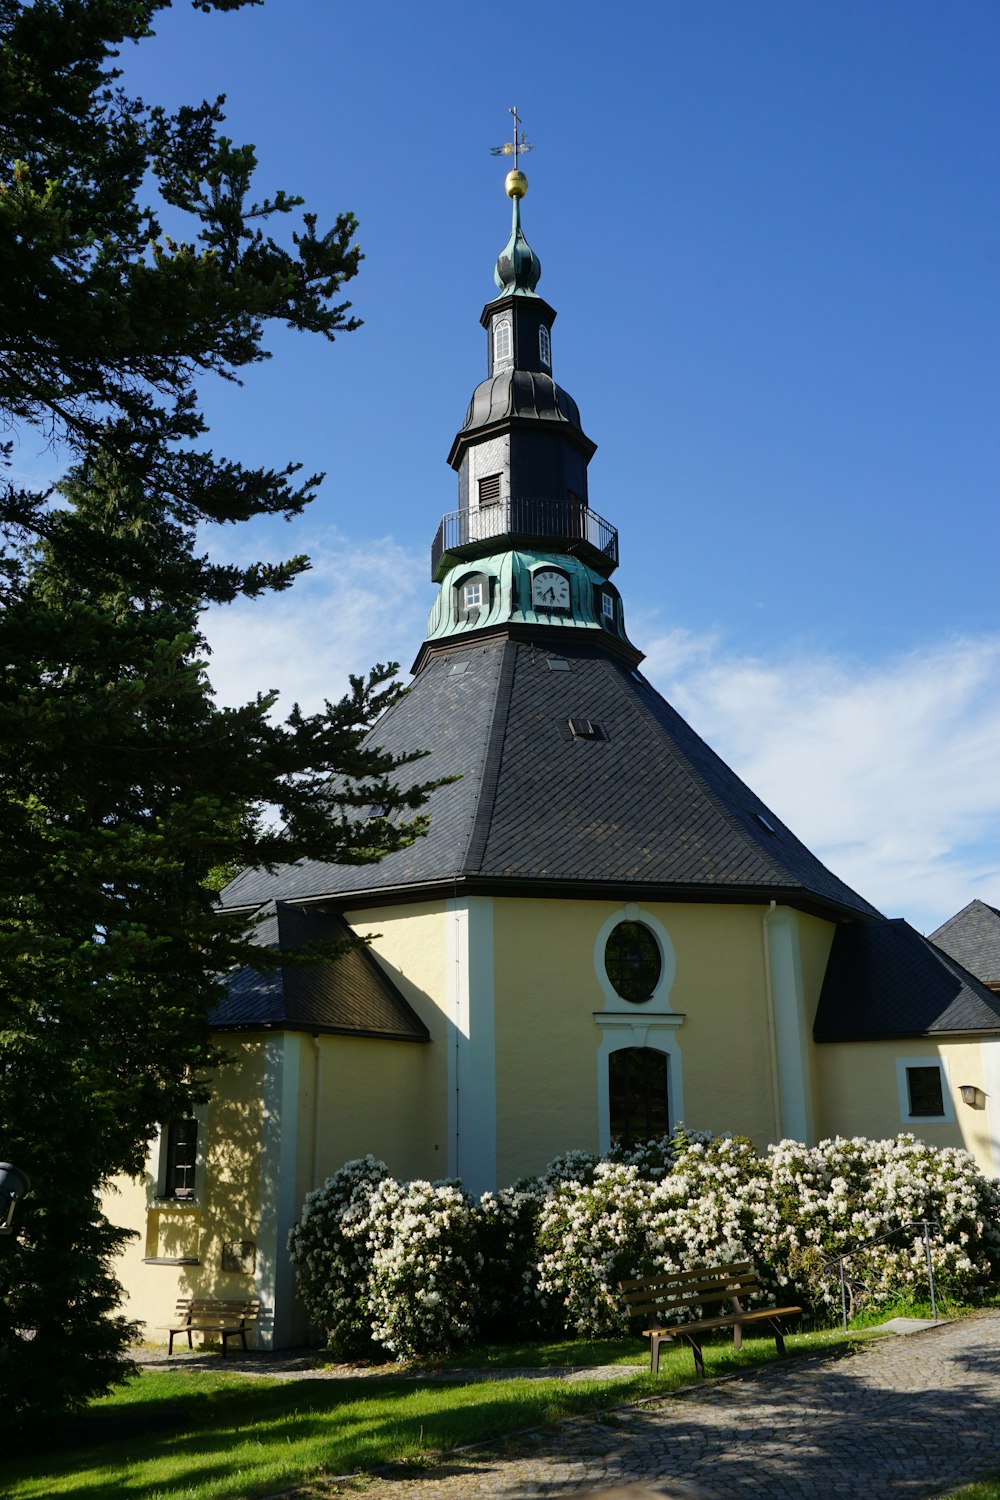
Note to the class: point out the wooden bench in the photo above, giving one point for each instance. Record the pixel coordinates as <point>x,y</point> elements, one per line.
<point>656,1298</point>
<point>212,1315</point>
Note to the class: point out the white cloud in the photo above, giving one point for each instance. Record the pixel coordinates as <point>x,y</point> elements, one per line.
<point>360,603</point>
<point>887,770</point>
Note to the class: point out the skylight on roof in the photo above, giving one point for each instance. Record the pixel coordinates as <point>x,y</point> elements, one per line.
<point>457,668</point>
<point>764,823</point>
<point>586,729</point>
<point>557,664</point>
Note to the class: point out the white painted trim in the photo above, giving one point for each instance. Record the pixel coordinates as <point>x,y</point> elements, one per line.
<point>990,1051</point>
<point>638,1030</point>
<point>902,1063</point>
<point>791,1035</point>
<point>660,997</point>
<point>471,1043</point>
<point>279,1196</point>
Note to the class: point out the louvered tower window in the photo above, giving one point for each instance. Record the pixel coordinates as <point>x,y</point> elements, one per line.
<point>489,489</point>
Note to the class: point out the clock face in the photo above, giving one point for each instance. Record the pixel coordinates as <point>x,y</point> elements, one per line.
<point>550,590</point>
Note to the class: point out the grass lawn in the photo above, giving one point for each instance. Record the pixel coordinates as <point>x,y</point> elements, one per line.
<point>193,1434</point>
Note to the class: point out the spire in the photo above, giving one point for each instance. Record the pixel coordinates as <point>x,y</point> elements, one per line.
<point>518,267</point>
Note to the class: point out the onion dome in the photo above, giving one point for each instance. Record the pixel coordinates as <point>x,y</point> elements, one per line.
<point>518,267</point>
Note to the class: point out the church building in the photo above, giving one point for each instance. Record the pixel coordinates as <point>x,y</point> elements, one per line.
<point>603,934</point>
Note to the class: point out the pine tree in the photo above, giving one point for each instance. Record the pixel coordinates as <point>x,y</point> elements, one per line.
<point>124,787</point>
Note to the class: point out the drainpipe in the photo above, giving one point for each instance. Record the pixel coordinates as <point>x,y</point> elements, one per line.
<point>772,1035</point>
<point>317,1057</point>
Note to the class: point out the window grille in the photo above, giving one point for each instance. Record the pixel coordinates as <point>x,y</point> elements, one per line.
<point>637,1095</point>
<point>489,490</point>
<point>544,346</point>
<point>923,1087</point>
<point>472,595</point>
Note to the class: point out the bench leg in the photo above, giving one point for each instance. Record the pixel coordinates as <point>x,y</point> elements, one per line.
<point>654,1353</point>
<point>699,1358</point>
<point>779,1340</point>
<point>170,1345</point>
<point>737,1335</point>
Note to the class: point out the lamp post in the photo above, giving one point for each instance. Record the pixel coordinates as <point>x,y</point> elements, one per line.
<point>13,1185</point>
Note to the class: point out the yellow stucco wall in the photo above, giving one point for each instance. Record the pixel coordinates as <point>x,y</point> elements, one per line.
<point>859,1092</point>
<point>400,1102</point>
<point>547,1041</point>
<point>225,1209</point>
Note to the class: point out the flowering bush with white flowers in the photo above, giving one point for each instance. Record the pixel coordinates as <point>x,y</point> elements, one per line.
<point>822,1200</point>
<point>329,1249</point>
<point>590,1237</point>
<point>706,1209</point>
<point>419,1268</point>
<point>425,1267</point>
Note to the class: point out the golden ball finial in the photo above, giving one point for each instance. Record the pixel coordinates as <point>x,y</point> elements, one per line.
<point>515,184</point>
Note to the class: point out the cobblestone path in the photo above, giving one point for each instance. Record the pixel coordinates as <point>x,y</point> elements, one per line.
<point>904,1417</point>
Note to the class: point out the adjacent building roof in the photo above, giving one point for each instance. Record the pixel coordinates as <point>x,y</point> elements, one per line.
<point>884,979</point>
<point>972,936</point>
<point>352,995</point>
<point>577,777</point>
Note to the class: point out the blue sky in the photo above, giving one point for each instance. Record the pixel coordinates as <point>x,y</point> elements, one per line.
<point>772,235</point>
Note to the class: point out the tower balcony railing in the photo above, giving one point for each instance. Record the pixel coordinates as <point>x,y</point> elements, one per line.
<point>565,525</point>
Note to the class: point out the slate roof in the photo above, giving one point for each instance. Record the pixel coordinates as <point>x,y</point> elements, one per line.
<point>646,805</point>
<point>351,996</point>
<point>884,979</point>
<point>972,936</point>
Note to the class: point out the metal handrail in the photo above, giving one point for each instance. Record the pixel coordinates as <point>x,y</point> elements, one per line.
<point>841,1260</point>
<point>558,519</point>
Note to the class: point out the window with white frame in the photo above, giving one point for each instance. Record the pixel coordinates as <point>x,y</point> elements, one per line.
<point>180,1159</point>
<point>472,595</point>
<point>544,346</point>
<point>502,341</point>
<point>924,1093</point>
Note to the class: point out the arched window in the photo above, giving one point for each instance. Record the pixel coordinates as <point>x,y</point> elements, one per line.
<point>544,346</point>
<point>502,344</point>
<point>637,1095</point>
<point>633,961</point>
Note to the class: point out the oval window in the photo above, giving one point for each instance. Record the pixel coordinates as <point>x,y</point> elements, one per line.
<point>632,960</point>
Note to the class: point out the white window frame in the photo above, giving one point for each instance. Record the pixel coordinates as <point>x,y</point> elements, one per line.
<point>608,606</point>
<point>545,346</point>
<point>472,589</point>
<point>503,326</point>
<point>158,1164</point>
<point>902,1064</point>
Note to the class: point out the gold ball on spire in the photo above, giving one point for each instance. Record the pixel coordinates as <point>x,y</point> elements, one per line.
<point>515,184</point>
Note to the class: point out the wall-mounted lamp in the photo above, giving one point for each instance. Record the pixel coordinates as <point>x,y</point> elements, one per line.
<point>972,1095</point>
<point>13,1185</point>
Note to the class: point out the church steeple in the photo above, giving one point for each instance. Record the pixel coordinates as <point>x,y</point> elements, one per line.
<point>518,268</point>
<point>524,548</point>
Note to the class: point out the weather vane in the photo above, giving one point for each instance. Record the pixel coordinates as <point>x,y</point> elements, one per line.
<point>517,145</point>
